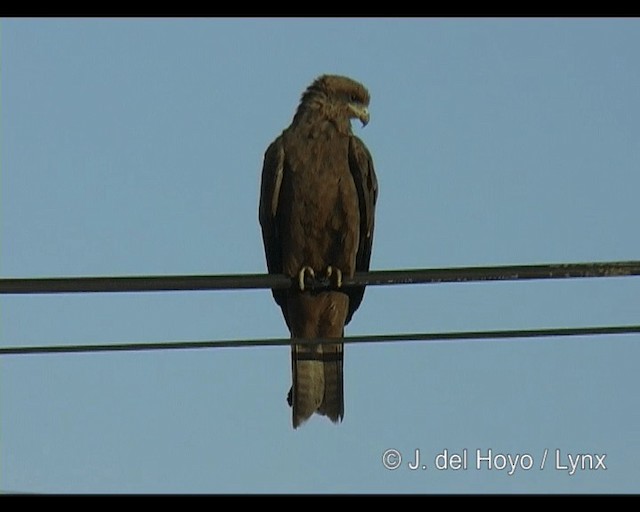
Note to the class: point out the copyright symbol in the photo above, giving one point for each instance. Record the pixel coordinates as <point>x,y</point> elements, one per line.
<point>391,459</point>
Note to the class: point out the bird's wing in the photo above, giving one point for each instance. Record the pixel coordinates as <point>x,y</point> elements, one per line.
<point>271,182</point>
<point>364,177</point>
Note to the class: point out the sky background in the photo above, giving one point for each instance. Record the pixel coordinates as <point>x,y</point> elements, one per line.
<point>135,146</point>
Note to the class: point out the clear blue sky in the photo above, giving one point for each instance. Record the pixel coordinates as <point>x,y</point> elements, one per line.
<point>134,147</point>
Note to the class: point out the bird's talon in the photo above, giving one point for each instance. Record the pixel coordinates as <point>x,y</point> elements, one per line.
<point>304,272</point>
<point>337,280</point>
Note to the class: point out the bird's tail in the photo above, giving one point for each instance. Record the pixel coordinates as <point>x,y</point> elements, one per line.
<point>317,368</point>
<point>317,381</point>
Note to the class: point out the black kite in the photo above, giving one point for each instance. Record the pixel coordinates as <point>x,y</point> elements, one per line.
<point>317,201</point>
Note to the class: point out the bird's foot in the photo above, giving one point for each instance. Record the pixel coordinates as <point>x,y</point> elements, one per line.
<point>334,276</point>
<point>304,272</point>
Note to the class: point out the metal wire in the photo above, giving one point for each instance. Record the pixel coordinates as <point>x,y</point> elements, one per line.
<point>273,342</point>
<point>279,281</point>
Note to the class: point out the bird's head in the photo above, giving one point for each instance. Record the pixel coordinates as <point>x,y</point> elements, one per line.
<point>339,97</point>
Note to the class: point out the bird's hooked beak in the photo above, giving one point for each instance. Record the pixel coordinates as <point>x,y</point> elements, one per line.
<point>364,117</point>
<point>361,112</point>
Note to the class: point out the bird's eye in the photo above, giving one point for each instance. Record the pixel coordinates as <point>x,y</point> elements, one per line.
<point>353,98</point>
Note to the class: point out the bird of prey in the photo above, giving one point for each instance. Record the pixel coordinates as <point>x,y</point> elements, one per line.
<point>317,200</point>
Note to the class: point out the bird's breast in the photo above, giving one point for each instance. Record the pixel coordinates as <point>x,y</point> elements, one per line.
<point>319,210</point>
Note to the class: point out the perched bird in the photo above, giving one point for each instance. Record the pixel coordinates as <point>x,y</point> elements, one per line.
<point>317,200</point>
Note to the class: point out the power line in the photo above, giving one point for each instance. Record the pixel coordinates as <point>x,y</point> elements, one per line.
<point>279,281</point>
<point>381,338</point>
